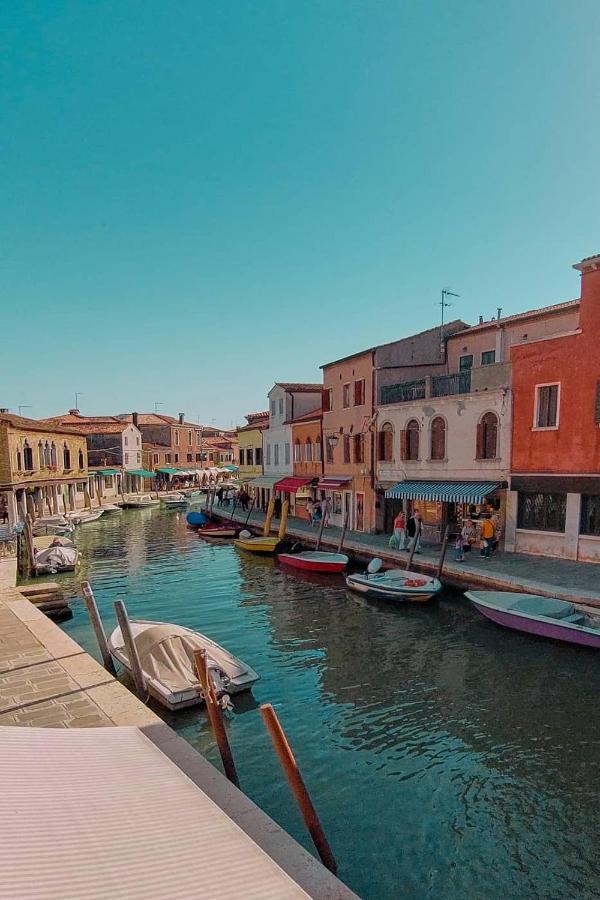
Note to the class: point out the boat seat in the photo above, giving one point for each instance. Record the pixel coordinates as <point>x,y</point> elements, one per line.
<point>575,619</point>
<point>551,607</point>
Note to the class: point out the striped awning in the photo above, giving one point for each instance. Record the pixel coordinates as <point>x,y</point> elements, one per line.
<point>291,484</point>
<point>446,491</point>
<point>264,481</point>
<point>332,482</point>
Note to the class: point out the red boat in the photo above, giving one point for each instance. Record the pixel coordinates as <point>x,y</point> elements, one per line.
<point>315,561</point>
<point>218,530</point>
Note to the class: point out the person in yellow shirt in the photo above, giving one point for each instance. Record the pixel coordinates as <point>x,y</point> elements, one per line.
<point>488,533</point>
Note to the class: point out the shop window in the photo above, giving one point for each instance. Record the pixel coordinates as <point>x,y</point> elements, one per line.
<point>359,448</point>
<point>297,452</point>
<point>27,457</point>
<point>81,459</point>
<point>465,362</point>
<point>346,396</point>
<point>309,450</point>
<point>487,436</point>
<point>346,448</point>
<point>359,392</point>
<point>542,512</point>
<point>546,405</point>
<point>438,438</point>
<point>66,457</point>
<point>488,357</point>
<point>590,514</point>
<point>386,443</point>
<point>318,455</point>
<point>336,503</point>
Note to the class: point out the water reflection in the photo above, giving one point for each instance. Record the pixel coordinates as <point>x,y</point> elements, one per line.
<point>447,757</point>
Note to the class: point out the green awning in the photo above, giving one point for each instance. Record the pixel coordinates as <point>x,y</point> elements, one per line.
<point>105,472</point>
<point>166,470</point>
<point>446,491</point>
<point>143,473</point>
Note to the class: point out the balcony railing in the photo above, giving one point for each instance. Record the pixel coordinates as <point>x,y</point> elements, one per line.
<point>446,385</point>
<point>403,392</point>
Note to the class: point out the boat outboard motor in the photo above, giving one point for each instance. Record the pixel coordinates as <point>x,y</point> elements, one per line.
<point>374,566</point>
<point>223,698</point>
<point>245,534</point>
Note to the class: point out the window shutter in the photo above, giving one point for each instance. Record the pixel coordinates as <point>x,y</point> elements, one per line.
<point>326,405</point>
<point>403,444</point>
<point>480,452</point>
<point>598,402</point>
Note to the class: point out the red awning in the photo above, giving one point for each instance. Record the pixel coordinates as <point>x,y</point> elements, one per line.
<point>291,484</point>
<point>331,483</point>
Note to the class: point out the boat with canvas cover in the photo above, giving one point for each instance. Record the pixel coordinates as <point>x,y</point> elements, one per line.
<point>166,654</point>
<point>393,584</point>
<point>195,519</point>
<point>545,616</point>
<point>60,556</point>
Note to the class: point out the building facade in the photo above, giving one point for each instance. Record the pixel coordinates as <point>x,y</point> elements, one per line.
<point>43,468</point>
<point>250,447</point>
<point>307,459</point>
<point>554,502</point>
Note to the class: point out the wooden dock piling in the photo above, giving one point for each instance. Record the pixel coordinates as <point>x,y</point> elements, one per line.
<point>132,654</point>
<point>92,608</point>
<point>443,552</point>
<point>213,711</point>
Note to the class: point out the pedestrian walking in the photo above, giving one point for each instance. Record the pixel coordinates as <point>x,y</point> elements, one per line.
<point>326,507</point>
<point>463,540</point>
<point>310,509</point>
<point>220,496</point>
<point>413,529</point>
<point>317,512</point>
<point>488,533</point>
<point>400,530</point>
<point>244,499</point>
<point>277,508</point>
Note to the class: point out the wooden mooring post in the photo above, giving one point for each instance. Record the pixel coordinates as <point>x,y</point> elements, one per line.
<point>215,718</point>
<point>296,782</point>
<point>92,608</point>
<point>443,552</point>
<point>414,545</point>
<point>132,654</point>
<point>320,537</point>
<point>250,512</point>
<point>343,534</point>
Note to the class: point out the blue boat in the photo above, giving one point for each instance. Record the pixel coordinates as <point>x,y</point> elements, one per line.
<point>196,518</point>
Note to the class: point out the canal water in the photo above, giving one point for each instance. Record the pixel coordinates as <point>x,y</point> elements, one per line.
<point>446,757</point>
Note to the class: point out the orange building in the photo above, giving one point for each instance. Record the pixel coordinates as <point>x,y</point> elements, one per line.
<point>307,449</point>
<point>554,502</point>
<point>348,421</point>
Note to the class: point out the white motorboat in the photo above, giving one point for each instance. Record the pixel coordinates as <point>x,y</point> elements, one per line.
<point>111,508</point>
<point>175,500</point>
<point>141,502</point>
<point>166,654</point>
<point>52,525</point>
<point>393,584</point>
<point>60,556</point>
<point>84,516</point>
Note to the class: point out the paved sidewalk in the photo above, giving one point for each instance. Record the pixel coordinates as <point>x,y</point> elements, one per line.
<point>575,581</point>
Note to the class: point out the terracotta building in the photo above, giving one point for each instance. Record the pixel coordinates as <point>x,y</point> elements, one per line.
<point>554,503</point>
<point>171,443</point>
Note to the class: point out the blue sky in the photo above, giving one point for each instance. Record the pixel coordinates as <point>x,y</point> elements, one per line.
<point>199,198</point>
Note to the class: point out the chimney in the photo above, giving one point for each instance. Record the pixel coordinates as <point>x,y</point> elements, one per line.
<point>481,320</point>
<point>589,319</point>
<point>74,412</point>
<point>4,409</point>
<point>181,418</point>
<point>135,418</point>
<point>499,312</point>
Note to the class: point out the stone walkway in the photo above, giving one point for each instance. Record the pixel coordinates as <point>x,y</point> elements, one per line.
<point>574,581</point>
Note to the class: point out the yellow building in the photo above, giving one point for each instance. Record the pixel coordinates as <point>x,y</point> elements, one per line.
<point>250,446</point>
<point>43,468</point>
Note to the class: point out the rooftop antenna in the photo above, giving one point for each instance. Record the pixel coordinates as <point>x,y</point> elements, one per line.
<point>24,406</point>
<point>157,403</point>
<point>444,304</point>
<point>78,394</point>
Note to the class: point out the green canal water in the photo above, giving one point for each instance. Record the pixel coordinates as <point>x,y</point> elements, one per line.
<point>447,758</point>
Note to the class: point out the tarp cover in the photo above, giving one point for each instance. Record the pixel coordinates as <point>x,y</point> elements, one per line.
<point>167,654</point>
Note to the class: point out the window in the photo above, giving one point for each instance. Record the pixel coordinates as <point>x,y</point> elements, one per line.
<point>328,451</point>
<point>190,457</point>
<point>487,437</point>
<point>190,435</point>
<point>590,514</point>
<point>359,392</point>
<point>273,407</point>
<point>287,454</point>
<point>336,503</point>
<point>19,461</point>
<point>275,454</point>
<point>281,406</point>
<point>258,456</point>
<point>546,406</point>
<point>53,456</point>
<point>386,443</point>
<point>199,457</point>
<point>542,512</point>
<point>465,362</point>
<point>346,448</point>
<point>297,452</point>
<point>81,460</point>
<point>167,457</point>
<point>27,457</point>
<point>66,456</point>
<point>137,441</point>
<point>125,440</point>
<point>155,458</point>
<point>177,437</point>
<point>41,455</point>
<point>125,458</point>
<point>488,357</point>
<point>80,487</point>
<point>346,396</point>
<point>108,481</point>
<point>327,400</point>
<point>268,454</point>
<point>199,437</point>
<point>359,448</point>
<point>438,438</point>
<point>413,433</point>
<point>308,450</point>
<point>317,450</point>
<point>47,455</point>
<point>177,457</point>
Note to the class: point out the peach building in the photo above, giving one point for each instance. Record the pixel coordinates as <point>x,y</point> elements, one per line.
<point>307,456</point>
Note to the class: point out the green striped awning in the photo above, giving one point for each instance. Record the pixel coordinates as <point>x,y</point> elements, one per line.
<point>106,472</point>
<point>167,470</point>
<point>446,491</point>
<point>143,473</point>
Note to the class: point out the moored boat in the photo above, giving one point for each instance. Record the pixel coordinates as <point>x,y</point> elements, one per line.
<point>196,519</point>
<point>264,544</point>
<point>111,508</point>
<point>545,616</point>
<point>315,561</point>
<point>218,530</point>
<point>141,502</point>
<point>84,516</point>
<point>393,584</point>
<point>60,556</point>
<point>175,500</point>
<point>166,654</point>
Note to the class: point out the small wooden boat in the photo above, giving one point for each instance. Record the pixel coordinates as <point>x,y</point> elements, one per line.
<point>196,519</point>
<point>315,561</point>
<point>86,516</point>
<point>142,502</point>
<point>218,530</point>
<point>60,556</point>
<point>175,501</point>
<point>166,654</point>
<point>393,584</point>
<point>545,616</point>
<point>264,544</point>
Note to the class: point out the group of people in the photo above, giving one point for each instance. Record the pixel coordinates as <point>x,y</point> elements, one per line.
<point>485,532</point>
<point>407,532</point>
<point>319,510</point>
<point>240,498</point>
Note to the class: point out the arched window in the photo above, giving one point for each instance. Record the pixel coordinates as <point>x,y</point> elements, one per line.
<point>27,456</point>
<point>438,438</point>
<point>487,436</point>
<point>309,453</point>
<point>386,443</point>
<point>47,454</point>
<point>81,459</point>
<point>318,455</point>
<point>297,452</point>
<point>413,432</point>
<point>66,456</point>
<point>53,456</point>
<point>19,461</point>
<point>41,461</point>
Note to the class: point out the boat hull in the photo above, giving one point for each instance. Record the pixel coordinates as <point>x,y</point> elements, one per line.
<point>556,631</point>
<point>309,562</point>
<point>399,592</point>
<point>217,532</point>
<point>263,545</point>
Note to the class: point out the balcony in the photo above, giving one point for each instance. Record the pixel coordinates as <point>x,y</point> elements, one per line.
<point>403,392</point>
<point>447,385</point>
<point>481,378</point>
